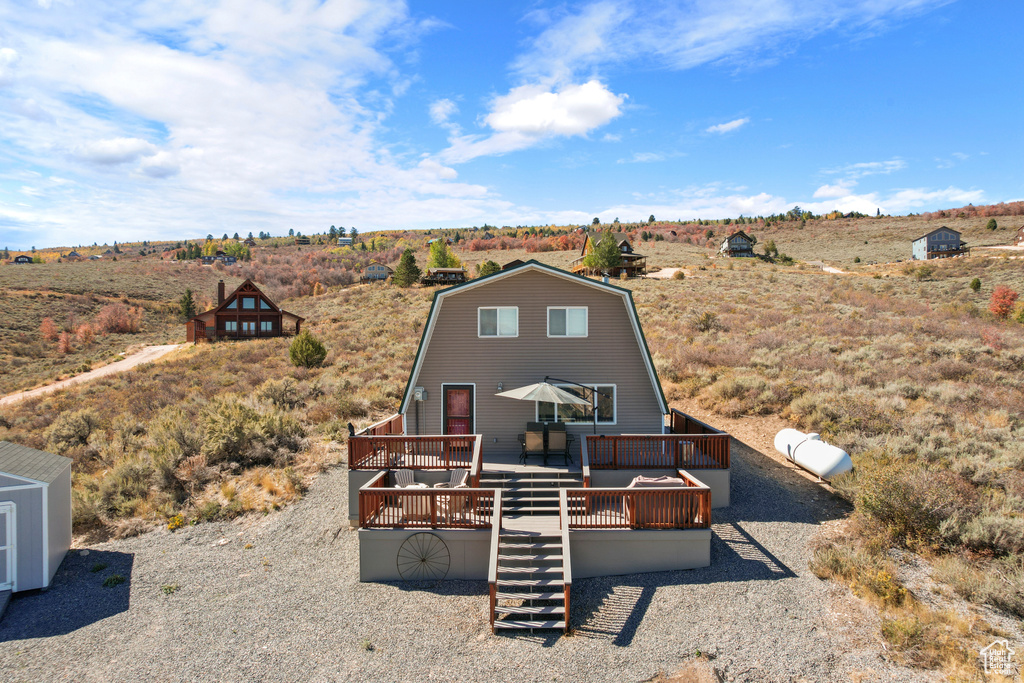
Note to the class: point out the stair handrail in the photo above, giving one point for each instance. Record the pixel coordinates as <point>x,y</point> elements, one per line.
<point>585,462</point>
<point>492,562</point>
<point>563,520</point>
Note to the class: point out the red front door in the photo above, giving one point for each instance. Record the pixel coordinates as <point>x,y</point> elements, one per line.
<point>458,409</point>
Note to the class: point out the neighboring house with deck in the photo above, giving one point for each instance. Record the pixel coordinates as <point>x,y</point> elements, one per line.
<point>22,259</point>
<point>246,313</point>
<point>630,262</point>
<point>444,276</point>
<point>939,243</point>
<point>738,244</point>
<point>637,495</point>
<point>376,272</point>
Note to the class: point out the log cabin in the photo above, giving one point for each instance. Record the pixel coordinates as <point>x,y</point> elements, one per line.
<point>246,313</point>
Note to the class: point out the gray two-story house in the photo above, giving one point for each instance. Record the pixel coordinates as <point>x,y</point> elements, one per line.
<point>939,243</point>
<point>521,326</point>
<point>737,244</point>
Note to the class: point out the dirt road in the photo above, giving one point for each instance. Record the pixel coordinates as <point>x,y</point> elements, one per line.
<point>146,355</point>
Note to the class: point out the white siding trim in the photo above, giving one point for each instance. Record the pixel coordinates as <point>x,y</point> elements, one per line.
<point>11,519</point>
<point>46,536</point>
<point>19,478</point>
<point>20,488</point>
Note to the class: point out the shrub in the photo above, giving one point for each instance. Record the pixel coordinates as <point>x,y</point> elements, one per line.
<point>488,268</point>
<point>705,321</point>
<point>84,334</point>
<point>283,393</point>
<point>125,487</point>
<point>923,272</point>
<point>307,351</point>
<point>235,432</point>
<point>118,318</point>
<point>71,429</point>
<point>1002,303</point>
<point>991,225</point>
<point>856,259</point>
<point>975,284</point>
<point>679,275</point>
<point>64,343</point>
<point>48,330</point>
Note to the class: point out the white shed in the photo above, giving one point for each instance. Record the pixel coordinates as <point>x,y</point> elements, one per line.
<point>35,516</point>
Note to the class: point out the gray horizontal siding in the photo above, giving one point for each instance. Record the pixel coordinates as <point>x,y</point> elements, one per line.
<point>610,354</point>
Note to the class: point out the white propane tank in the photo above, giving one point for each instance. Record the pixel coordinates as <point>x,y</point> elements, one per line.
<point>813,454</point>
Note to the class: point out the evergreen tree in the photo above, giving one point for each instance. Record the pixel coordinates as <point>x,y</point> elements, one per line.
<point>333,232</point>
<point>307,351</point>
<point>407,272</point>
<point>353,233</point>
<point>236,237</point>
<point>187,305</point>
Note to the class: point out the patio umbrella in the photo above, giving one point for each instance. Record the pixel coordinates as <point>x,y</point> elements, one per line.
<point>542,391</point>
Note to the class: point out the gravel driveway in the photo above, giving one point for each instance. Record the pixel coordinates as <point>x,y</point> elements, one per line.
<point>290,607</point>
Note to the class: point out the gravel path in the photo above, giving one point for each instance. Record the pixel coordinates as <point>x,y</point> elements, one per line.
<point>291,608</point>
<point>146,355</point>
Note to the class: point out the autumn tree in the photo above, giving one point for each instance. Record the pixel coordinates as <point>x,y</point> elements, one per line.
<point>49,330</point>
<point>1003,299</point>
<point>441,256</point>
<point>64,342</point>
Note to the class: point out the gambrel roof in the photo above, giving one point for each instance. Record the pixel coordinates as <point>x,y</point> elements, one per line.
<point>625,295</point>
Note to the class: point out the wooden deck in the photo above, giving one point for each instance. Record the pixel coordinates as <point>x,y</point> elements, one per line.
<point>494,462</point>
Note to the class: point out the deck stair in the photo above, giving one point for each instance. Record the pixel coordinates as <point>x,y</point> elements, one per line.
<point>530,493</point>
<point>530,581</point>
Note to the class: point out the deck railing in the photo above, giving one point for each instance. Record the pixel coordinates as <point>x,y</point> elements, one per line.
<point>658,451</point>
<point>386,427</point>
<point>492,559</point>
<point>384,507</point>
<point>687,424</point>
<point>413,452</point>
<point>686,507</point>
<point>585,463</point>
<point>563,523</point>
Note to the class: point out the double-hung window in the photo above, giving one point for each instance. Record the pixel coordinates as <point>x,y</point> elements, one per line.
<point>570,413</point>
<point>499,321</point>
<point>567,321</point>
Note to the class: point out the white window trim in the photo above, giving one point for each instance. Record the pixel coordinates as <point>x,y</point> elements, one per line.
<point>458,384</point>
<point>496,336</point>
<point>586,315</point>
<point>589,385</point>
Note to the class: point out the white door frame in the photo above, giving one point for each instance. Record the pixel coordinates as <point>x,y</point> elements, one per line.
<point>7,518</point>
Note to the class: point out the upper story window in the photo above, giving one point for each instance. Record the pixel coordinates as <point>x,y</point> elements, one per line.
<point>264,306</point>
<point>233,305</point>
<point>567,321</point>
<point>500,321</point>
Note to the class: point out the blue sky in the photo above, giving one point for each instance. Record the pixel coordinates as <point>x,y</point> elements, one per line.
<point>147,119</point>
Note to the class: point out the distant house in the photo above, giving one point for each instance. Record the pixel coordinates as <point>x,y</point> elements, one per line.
<point>344,241</point>
<point>447,240</point>
<point>939,243</point>
<point>1020,236</point>
<point>74,256</point>
<point>376,272</point>
<point>226,260</point>
<point>23,258</point>
<point>737,244</point>
<point>631,263</point>
<point>514,263</point>
<point>301,241</point>
<point>246,313</point>
<point>249,242</point>
<point>95,258</point>
<point>444,276</point>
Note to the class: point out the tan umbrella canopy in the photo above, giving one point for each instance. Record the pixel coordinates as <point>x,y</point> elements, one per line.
<point>542,391</point>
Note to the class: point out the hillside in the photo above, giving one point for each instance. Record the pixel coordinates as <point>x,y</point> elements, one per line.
<point>901,365</point>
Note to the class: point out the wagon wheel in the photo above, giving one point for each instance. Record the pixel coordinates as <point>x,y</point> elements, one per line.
<point>423,560</point>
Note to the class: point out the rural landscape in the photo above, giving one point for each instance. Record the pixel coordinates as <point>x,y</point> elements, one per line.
<point>914,368</point>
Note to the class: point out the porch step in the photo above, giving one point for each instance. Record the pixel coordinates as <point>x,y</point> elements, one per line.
<point>508,624</point>
<point>529,595</point>
<point>532,570</point>
<point>529,558</point>
<point>530,546</point>
<point>524,609</point>
<point>531,583</point>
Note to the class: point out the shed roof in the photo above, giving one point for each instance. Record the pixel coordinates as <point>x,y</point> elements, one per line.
<point>28,463</point>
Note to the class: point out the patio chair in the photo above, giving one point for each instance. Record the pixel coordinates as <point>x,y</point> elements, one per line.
<point>404,478</point>
<point>457,480</point>
<point>533,442</point>
<point>415,507</point>
<point>558,441</point>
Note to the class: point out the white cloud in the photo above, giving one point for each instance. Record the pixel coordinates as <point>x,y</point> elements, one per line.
<point>442,110</point>
<point>8,58</point>
<point>160,165</point>
<point>866,168</point>
<point>839,189</point>
<point>114,151</point>
<point>531,114</point>
<point>727,127</point>
<point>643,158</point>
